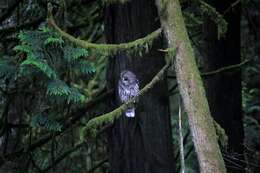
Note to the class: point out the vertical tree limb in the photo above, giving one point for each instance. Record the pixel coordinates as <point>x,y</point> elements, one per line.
<point>191,88</point>
<point>181,140</point>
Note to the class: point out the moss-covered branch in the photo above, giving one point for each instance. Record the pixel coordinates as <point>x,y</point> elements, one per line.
<point>191,88</point>
<point>109,117</point>
<point>214,16</point>
<point>139,45</point>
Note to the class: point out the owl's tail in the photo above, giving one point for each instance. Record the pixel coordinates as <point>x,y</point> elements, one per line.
<point>130,112</point>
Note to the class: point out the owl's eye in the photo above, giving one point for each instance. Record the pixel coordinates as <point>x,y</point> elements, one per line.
<point>125,79</point>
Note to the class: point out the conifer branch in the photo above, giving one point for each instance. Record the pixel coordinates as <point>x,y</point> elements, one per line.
<point>214,16</point>
<point>142,44</point>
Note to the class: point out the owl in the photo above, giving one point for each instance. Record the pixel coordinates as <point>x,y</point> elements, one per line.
<point>128,87</point>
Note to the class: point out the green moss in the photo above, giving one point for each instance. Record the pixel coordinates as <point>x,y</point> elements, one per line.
<point>137,46</point>
<point>222,137</point>
<point>170,55</point>
<point>214,16</point>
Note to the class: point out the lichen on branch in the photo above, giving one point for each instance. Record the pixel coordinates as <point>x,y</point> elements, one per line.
<point>137,46</point>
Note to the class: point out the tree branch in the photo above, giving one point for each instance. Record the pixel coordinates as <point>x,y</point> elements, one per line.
<point>215,16</point>
<point>231,6</point>
<point>61,157</point>
<point>220,70</point>
<point>100,163</point>
<point>109,117</point>
<point>75,116</point>
<point>107,49</point>
<point>226,68</point>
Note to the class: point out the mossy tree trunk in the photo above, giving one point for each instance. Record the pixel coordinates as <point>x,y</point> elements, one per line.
<point>191,88</point>
<point>141,144</point>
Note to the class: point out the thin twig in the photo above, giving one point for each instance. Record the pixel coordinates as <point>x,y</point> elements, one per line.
<point>241,161</point>
<point>225,68</point>
<point>97,165</point>
<point>231,6</point>
<point>181,139</point>
<point>62,156</point>
<point>220,70</point>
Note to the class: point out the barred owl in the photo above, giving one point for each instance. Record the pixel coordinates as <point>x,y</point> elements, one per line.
<point>128,87</point>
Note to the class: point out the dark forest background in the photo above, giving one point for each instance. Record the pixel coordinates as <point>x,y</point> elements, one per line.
<point>50,87</point>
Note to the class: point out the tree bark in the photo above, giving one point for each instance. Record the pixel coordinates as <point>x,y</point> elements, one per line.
<point>223,90</point>
<point>140,144</point>
<point>191,88</point>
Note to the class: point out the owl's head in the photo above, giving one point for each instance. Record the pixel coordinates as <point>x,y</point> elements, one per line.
<point>127,77</point>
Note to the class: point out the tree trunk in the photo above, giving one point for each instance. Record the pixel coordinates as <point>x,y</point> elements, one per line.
<point>191,88</point>
<point>141,144</point>
<point>224,89</point>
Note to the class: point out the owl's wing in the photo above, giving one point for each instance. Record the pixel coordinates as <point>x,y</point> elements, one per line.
<point>134,90</point>
<point>123,95</point>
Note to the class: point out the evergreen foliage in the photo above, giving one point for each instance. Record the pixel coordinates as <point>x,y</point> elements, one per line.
<point>48,74</point>
<point>43,93</point>
<point>46,63</point>
<point>45,122</point>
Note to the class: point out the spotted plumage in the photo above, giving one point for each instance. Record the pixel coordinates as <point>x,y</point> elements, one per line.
<point>128,87</point>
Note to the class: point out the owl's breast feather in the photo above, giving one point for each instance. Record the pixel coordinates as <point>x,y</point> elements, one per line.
<point>124,94</point>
